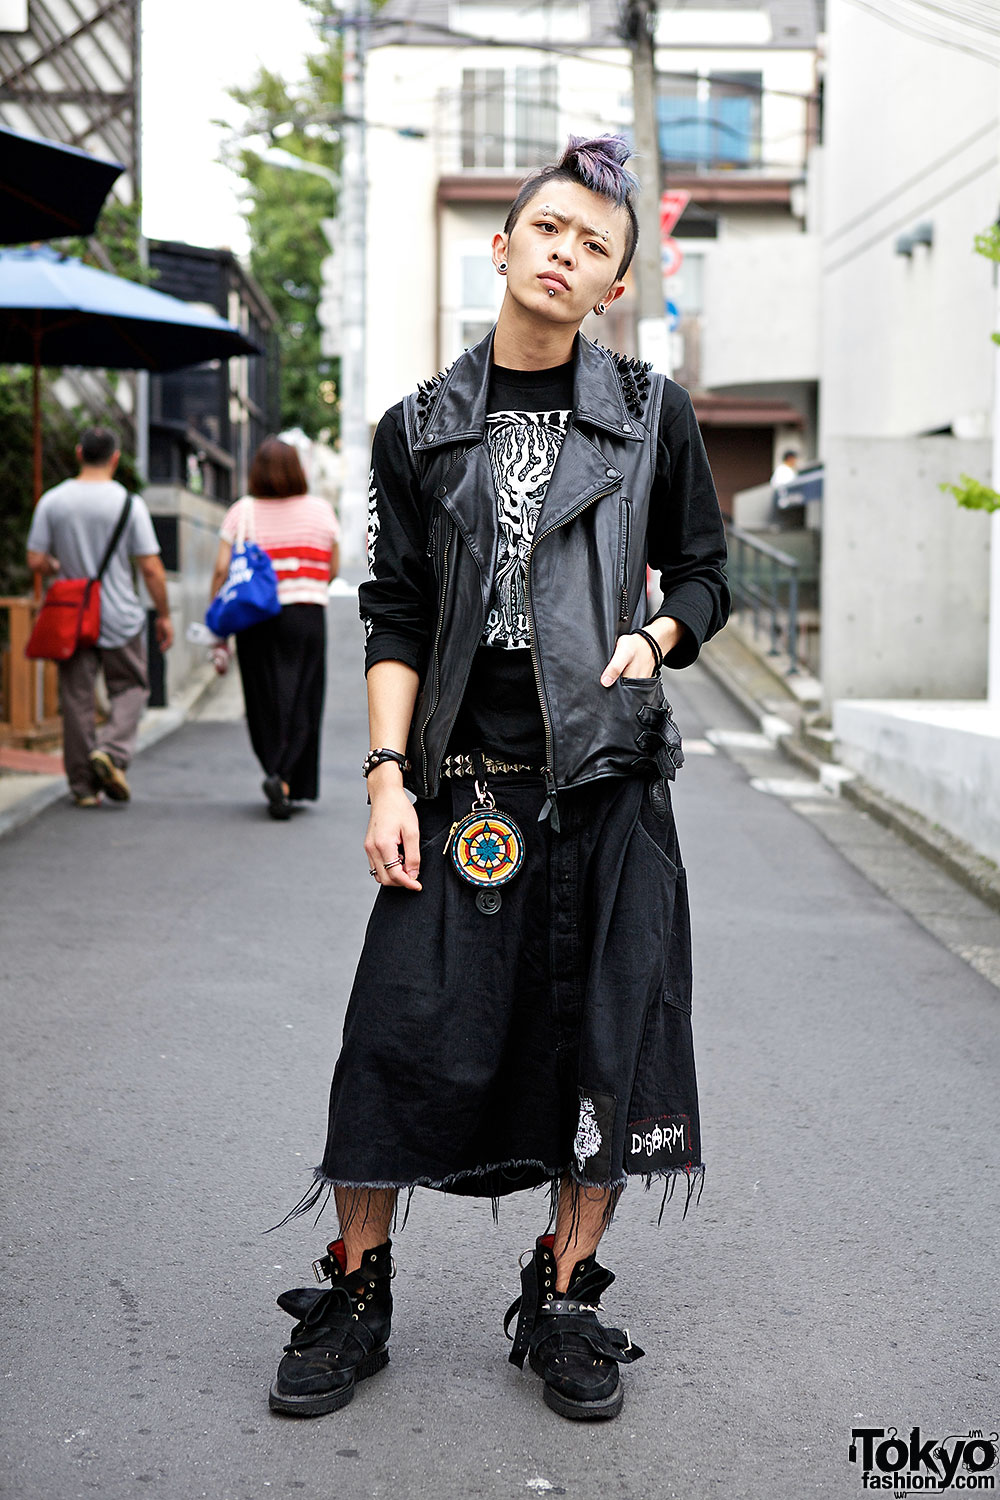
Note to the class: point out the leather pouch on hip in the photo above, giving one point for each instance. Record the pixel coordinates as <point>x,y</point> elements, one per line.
<point>661,755</point>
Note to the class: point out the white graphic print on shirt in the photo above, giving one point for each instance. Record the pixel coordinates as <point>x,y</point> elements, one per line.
<point>373,525</point>
<point>524,446</point>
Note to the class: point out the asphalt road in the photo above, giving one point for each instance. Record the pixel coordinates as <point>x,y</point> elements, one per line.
<point>174,976</point>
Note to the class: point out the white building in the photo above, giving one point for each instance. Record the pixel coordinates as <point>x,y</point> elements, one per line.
<point>496,86</point>
<point>911,173</point>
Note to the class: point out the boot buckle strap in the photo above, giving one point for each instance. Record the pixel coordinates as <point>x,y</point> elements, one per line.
<point>323,1268</point>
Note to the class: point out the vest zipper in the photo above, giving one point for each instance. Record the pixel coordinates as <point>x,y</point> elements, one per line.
<point>435,664</point>
<point>624,520</point>
<point>550,807</point>
<point>435,661</point>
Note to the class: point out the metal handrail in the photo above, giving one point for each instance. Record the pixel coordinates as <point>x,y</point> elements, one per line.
<point>759,583</point>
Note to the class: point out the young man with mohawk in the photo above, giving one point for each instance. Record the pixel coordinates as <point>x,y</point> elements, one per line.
<point>521,1010</point>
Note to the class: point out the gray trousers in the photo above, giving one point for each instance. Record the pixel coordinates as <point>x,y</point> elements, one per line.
<point>124,669</point>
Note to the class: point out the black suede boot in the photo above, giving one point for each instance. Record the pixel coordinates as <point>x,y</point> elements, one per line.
<point>575,1355</point>
<point>342,1335</point>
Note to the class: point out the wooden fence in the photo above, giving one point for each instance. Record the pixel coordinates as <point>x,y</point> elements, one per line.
<point>29,690</point>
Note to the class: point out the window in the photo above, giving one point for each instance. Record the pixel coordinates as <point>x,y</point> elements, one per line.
<point>482,117</point>
<point>479,281</point>
<point>508,120</point>
<point>710,121</point>
<point>536,126</point>
<point>473,331</point>
<point>684,288</point>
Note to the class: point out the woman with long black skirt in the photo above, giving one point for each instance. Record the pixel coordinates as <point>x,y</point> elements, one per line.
<point>283,660</point>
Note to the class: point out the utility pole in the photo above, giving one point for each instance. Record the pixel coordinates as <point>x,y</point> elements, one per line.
<point>354,443</point>
<point>639,31</point>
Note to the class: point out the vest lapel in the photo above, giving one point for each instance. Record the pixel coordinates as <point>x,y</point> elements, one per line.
<point>582,472</point>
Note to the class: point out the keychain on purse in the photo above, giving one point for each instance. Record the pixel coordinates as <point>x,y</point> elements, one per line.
<point>486,846</point>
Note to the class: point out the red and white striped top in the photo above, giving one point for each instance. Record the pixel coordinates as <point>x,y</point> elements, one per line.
<point>298,535</point>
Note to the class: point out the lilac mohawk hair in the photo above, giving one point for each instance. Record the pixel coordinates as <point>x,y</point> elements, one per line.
<point>597,163</point>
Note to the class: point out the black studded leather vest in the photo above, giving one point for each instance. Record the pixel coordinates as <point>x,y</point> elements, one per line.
<point>585,572</point>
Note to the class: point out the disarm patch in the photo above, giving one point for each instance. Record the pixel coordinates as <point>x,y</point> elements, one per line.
<point>652,1145</point>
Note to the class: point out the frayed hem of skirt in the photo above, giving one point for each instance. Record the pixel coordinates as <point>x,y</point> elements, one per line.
<point>318,1195</point>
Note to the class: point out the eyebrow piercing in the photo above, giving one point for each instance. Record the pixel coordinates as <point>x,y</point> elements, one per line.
<point>547,208</point>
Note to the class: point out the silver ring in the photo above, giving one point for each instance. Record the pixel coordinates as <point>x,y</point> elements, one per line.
<point>392,864</point>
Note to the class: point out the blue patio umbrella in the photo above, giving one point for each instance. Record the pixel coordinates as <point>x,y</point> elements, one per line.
<point>48,190</point>
<point>54,310</point>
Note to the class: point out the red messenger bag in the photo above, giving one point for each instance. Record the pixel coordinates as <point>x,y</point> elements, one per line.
<point>70,616</point>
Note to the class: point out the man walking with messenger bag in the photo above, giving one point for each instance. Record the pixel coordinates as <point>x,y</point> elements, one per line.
<point>90,527</point>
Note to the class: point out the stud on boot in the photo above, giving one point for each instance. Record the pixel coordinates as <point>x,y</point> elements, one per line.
<point>342,1335</point>
<point>576,1356</point>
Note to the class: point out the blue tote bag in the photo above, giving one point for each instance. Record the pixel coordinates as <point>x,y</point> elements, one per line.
<point>250,592</point>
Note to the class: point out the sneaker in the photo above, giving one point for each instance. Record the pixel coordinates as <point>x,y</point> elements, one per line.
<point>110,778</point>
<point>87,799</point>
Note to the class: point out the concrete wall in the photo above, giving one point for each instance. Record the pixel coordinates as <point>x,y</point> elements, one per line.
<point>911,136</point>
<point>198,522</point>
<point>905,586</point>
<point>762,304</point>
<point>942,759</point>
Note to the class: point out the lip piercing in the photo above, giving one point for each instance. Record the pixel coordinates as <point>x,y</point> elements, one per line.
<point>551,291</point>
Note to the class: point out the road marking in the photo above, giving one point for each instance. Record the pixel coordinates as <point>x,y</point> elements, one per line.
<point>738,739</point>
<point>698,747</point>
<point>778,786</point>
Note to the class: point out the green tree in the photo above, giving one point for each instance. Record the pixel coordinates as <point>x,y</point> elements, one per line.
<point>115,245</point>
<point>283,209</point>
<point>971,493</point>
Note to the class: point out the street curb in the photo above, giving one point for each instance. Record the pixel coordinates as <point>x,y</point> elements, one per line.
<point>971,870</point>
<point>156,724</point>
<point>961,862</point>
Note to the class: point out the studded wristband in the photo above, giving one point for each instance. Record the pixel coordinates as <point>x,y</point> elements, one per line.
<point>379,757</point>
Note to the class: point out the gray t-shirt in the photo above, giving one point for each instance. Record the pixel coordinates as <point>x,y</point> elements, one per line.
<point>74,522</point>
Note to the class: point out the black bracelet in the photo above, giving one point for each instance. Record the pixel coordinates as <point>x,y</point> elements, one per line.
<point>654,646</point>
<point>379,757</point>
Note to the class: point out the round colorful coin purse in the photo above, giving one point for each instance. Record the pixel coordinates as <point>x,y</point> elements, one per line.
<point>487,847</point>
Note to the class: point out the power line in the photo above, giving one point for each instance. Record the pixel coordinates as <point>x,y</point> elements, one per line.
<point>922,32</point>
<point>914,213</point>
<point>910,182</point>
<point>579,54</point>
<point>951,12</point>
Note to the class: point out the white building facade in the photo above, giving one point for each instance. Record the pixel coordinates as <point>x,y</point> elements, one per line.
<point>911,173</point>
<point>484,91</point>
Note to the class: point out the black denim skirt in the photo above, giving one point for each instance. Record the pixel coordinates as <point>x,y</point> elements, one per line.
<point>486,1053</point>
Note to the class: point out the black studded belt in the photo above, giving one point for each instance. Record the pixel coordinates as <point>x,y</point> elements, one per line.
<point>462,765</point>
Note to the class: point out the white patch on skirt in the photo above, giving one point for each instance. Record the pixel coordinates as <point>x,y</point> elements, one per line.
<point>588,1134</point>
